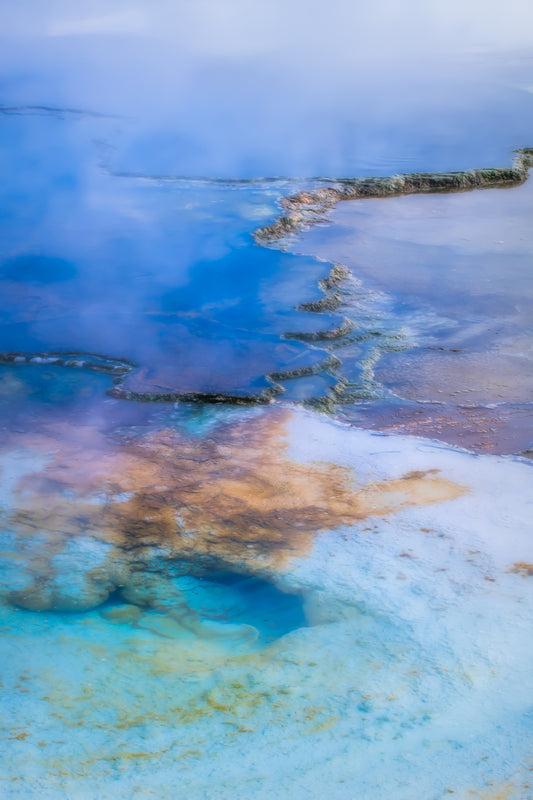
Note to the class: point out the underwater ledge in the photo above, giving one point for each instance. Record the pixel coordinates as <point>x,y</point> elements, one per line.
<point>125,373</point>
<point>119,369</point>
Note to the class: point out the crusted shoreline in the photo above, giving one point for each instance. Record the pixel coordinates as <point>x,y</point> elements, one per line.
<point>306,208</point>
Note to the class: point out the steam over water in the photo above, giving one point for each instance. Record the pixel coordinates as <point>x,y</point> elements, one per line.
<point>304,595</point>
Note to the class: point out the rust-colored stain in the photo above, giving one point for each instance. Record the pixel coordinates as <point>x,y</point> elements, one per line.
<point>502,791</point>
<point>234,500</point>
<point>522,568</point>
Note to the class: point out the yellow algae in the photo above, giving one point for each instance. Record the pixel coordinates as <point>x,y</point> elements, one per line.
<point>125,755</point>
<point>328,723</point>
<point>20,736</point>
<point>502,791</point>
<point>172,703</point>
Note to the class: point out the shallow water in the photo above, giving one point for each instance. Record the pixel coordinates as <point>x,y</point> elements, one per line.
<point>458,267</point>
<point>269,600</point>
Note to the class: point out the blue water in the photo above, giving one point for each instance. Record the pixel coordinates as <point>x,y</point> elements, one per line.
<point>195,309</point>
